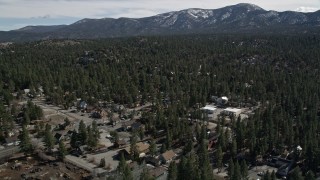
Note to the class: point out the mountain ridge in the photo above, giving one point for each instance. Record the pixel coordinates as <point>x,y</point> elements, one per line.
<point>239,18</point>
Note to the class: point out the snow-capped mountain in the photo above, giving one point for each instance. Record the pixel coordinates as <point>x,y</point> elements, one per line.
<point>240,18</point>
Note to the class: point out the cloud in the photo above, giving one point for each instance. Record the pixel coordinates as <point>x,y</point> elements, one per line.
<point>128,8</point>
<point>306,9</point>
<point>42,17</point>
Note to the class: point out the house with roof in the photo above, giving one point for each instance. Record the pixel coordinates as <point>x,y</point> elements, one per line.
<point>208,112</point>
<point>232,112</point>
<point>167,156</point>
<point>142,148</point>
<point>158,172</point>
<point>98,113</point>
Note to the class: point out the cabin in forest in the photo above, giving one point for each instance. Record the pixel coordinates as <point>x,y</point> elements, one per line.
<point>208,112</point>
<point>232,112</point>
<point>167,156</point>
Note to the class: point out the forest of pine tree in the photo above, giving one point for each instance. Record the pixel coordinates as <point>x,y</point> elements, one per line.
<point>179,74</point>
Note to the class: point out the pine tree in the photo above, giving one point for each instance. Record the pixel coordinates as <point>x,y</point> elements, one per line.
<point>267,176</point>
<point>234,149</point>
<point>62,150</point>
<point>163,148</point>
<point>153,148</point>
<point>204,162</point>
<point>296,174</point>
<point>25,141</point>
<point>172,171</point>
<point>127,174</point>
<point>102,162</point>
<point>82,133</point>
<point>133,148</point>
<point>188,147</point>
<point>273,176</point>
<point>48,138</point>
<point>168,140</point>
<point>244,170</point>
<point>231,169</point>
<point>122,164</point>
<point>237,171</point>
<point>145,175</point>
<point>183,172</point>
<point>310,176</point>
<point>95,131</point>
<point>91,141</point>
<point>219,157</point>
<point>74,140</point>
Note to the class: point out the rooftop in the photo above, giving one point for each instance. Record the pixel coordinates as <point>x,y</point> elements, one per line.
<point>168,155</point>
<point>209,108</point>
<point>234,110</point>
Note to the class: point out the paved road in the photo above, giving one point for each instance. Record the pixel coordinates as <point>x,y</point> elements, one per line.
<point>9,151</point>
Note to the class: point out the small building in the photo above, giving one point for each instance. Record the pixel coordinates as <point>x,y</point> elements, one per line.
<point>208,111</point>
<point>142,148</point>
<point>232,112</point>
<point>157,172</point>
<point>167,156</point>
<point>98,113</point>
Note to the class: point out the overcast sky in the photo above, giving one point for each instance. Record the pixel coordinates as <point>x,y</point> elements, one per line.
<point>19,13</point>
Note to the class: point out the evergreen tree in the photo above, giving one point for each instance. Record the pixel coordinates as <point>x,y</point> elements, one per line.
<point>102,162</point>
<point>237,171</point>
<point>74,140</point>
<point>82,133</point>
<point>122,164</point>
<point>172,171</point>
<point>153,148</point>
<point>145,175</point>
<point>62,150</point>
<point>296,174</point>
<point>95,131</point>
<point>267,176</point>
<point>127,174</point>
<point>25,141</point>
<point>244,170</point>
<point>273,176</point>
<point>163,148</point>
<point>231,170</point>
<point>183,172</point>
<point>91,141</point>
<point>133,148</point>
<point>310,176</point>
<point>219,157</point>
<point>48,138</point>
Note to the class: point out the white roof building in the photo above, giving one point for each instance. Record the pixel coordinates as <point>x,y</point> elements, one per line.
<point>208,111</point>
<point>233,111</point>
<point>209,108</point>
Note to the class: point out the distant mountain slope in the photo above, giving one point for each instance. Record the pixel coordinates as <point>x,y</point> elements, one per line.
<point>240,18</point>
<point>40,29</point>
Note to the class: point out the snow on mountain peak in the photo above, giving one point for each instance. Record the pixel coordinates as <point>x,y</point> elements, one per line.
<point>199,13</point>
